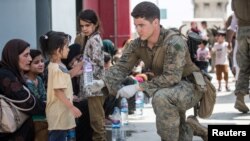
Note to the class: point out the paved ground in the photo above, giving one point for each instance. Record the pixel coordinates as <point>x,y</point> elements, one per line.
<point>143,129</point>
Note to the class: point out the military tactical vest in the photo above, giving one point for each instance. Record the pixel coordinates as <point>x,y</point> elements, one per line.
<point>189,66</point>
<point>241,9</point>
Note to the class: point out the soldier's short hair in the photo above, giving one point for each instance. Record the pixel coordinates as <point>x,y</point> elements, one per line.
<point>147,10</point>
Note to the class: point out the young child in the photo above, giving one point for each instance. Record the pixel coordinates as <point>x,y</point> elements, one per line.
<point>60,111</point>
<point>94,54</point>
<point>36,86</point>
<point>203,56</point>
<point>222,49</point>
<point>83,131</point>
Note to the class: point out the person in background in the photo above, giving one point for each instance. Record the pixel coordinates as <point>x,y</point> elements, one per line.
<point>72,59</point>
<point>231,43</point>
<point>204,30</point>
<point>222,50</point>
<point>203,56</point>
<point>194,28</point>
<point>92,50</point>
<point>15,61</point>
<point>119,51</point>
<point>110,100</point>
<point>165,53</point>
<point>108,46</point>
<point>107,61</point>
<point>231,33</point>
<point>60,111</point>
<point>36,86</point>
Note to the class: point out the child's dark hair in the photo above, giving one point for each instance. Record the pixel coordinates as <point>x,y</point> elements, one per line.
<point>147,10</point>
<point>90,16</point>
<point>34,53</point>
<point>204,42</point>
<point>221,32</point>
<point>53,40</point>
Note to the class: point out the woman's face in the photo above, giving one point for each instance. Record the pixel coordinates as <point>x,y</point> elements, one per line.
<point>24,60</point>
<point>87,28</point>
<point>37,65</point>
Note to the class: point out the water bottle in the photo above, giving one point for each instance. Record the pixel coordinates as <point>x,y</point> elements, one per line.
<point>88,75</point>
<point>124,111</point>
<point>116,118</point>
<point>88,72</point>
<point>71,135</point>
<point>139,103</point>
<point>115,134</point>
<point>118,134</point>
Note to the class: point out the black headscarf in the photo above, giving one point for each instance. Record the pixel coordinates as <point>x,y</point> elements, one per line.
<point>74,51</point>
<point>10,56</point>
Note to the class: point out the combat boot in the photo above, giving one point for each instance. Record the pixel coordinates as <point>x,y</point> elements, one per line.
<point>240,104</point>
<point>198,129</point>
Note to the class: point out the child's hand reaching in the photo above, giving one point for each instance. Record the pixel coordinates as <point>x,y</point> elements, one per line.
<point>77,69</point>
<point>76,112</point>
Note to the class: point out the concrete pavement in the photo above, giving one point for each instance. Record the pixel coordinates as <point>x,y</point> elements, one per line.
<point>144,129</point>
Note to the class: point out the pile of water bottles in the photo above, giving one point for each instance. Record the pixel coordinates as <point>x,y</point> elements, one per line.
<point>120,116</point>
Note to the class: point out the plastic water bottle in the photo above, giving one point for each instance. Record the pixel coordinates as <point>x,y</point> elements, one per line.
<point>115,134</point>
<point>139,103</point>
<point>71,135</point>
<point>118,134</point>
<point>88,72</point>
<point>116,118</point>
<point>124,111</point>
<point>88,75</point>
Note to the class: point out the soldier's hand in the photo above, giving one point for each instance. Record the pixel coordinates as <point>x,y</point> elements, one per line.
<point>128,91</point>
<point>96,86</point>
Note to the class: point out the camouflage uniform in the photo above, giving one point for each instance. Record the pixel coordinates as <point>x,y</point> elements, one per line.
<point>172,93</point>
<point>242,9</point>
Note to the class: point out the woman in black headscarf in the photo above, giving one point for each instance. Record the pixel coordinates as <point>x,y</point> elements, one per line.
<point>15,61</point>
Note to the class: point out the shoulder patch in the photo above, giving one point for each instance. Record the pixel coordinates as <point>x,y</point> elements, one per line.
<point>177,42</point>
<point>177,46</point>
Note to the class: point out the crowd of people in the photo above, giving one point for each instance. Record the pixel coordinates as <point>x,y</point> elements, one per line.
<point>159,63</point>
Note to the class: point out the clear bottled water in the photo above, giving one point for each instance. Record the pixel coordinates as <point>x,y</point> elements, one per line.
<point>124,111</point>
<point>116,118</point>
<point>88,72</point>
<point>88,75</point>
<point>118,134</point>
<point>139,103</point>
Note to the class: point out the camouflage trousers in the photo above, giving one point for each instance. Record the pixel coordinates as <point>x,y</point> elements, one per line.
<point>97,118</point>
<point>243,60</point>
<point>170,105</point>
